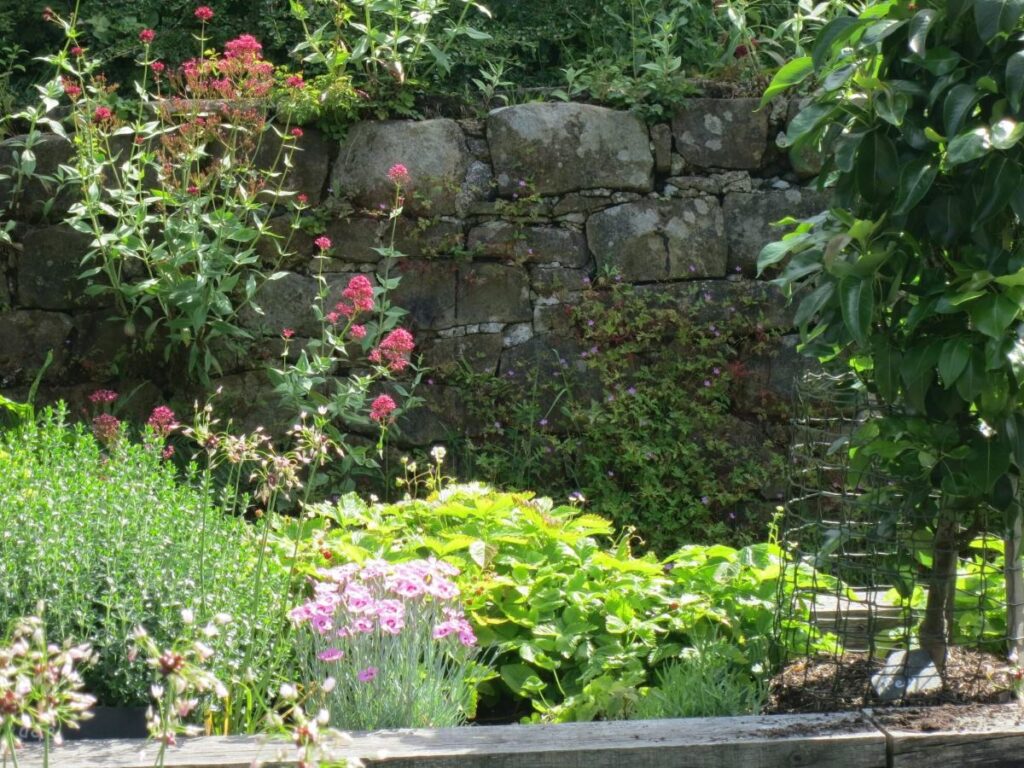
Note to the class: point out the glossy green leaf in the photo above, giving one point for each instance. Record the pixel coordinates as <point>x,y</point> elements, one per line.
<point>916,179</point>
<point>993,314</point>
<point>833,36</point>
<point>886,359</point>
<point>813,303</point>
<point>877,166</point>
<point>1001,178</point>
<point>953,359</point>
<point>919,26</point>
<point>918,372</point>
<point>1015,79</point>
<point>968,146</point>
<point>995,16</point>
<point>972,380</point>
<point>1006,133</point>
<point>957,106</point>
<point>793,73</point>
<point>857,304</point>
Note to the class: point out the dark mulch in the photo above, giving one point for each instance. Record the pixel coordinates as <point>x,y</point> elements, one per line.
<point>844,683</point>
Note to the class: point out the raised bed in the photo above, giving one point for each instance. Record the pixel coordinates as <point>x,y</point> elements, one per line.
<point>990,735</point>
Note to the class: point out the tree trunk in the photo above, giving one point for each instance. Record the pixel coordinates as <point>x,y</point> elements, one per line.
<point>937,627</point>
<point>1014,584</point>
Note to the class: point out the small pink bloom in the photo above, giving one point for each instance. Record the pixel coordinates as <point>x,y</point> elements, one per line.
<point>102,114</point>
<point>147,36</point>
<point>398,174</point>
<point>323,242</point>
<point>360,292</point>
<point>167,452</point>
<point>103,396</point>
<point>287,333</point>
<point>106,427</point>
<point>302,198</point>
<point>331,654</point>
<point>295,81</point>
<point>203,13</point>
<point>162,421</point>
<point>366,675</point>
<point>297,133</point>
<point>192,190</point>
<point>382,408</point>
<point>158,67</point>
<point>357,332</point>
<point>77,50</point>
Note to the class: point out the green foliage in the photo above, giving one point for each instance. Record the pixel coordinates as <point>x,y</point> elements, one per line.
<point>177,197</point>
<point>914,278</point>
<point>703,682</point>
<point>111,540</point>
<point>670,460</point>
<point>577,622</point>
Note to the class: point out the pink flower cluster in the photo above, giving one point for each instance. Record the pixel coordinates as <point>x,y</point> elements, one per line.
<point>382,408</point>
<point>398,175</point>
<point>203,13</point>
<point>106,427</point>
<point>162,421</point>
<point>240,74</point>
<point>394,350</point>
<point>101,396</point>
<point>357,297</point>
<point>381,597</point>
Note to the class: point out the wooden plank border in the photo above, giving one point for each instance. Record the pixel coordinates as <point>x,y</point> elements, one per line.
<point>841,740</point>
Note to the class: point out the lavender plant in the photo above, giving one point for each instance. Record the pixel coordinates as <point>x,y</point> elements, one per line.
<point>394,640</point>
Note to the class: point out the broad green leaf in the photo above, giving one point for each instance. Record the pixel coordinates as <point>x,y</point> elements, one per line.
<point>877,166</point>
<point>995,16</point>
<point>1017,278</point>
<point>916,179</point>
<point>918,372</point>
<point>886,359</point>
<point>971,382</point>
<point>793,73</point>
<point>857,304</point>
<point>919,26</point>
<point>777,251</point>
<point>993,314</point>
<point>1005,133</point>
<point>1015,79</point>
<point>832,38</point>
<point>1001,178</point>
<point>968,146</point>
<point>953,359</point>
<point>958,105</point>
<point>812,303</point>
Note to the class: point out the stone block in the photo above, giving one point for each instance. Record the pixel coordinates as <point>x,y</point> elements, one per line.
<point>722,133</point>
<point>427,292</point>
<point>433,151</point>
<point>761,304</point>
<point>661,144</point>
<point>284,303</point>
<point>565,147</point>
<point>28,335</point>
<point>550,281</point>
<point>749,217</point>
<point>41,197</point>
<point>493,293</point>
<point>355,237</point>
<point>479,351</point>
<point>653,240</point>
<point>48,269</point>
<point>528,244</point>
<point>309,162</point>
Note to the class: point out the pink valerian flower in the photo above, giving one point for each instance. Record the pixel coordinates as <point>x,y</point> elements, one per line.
<point>357,332</point>
<point>158,68</point>
<point>302,198</point>
<point>323,242</point>
<point>103,396</point>
<point>287,333</point>
<point>167,452</point>
<point>71,88</point>
<point>398,175</point>
<point>106,427</point>
<point>359,292</point>
<point>382,408</point>
<point>193,190</point>
<point>102,114</point>
<point>77,50</point>
<point>297,132</point>
<point>162,421</point>
<point>203,13</point>
<point>295,81</point>
<point>333,317</point>
<point>147,36</point>
<point>367,675</point>
<point>244,47</point>
<point>394,350</point>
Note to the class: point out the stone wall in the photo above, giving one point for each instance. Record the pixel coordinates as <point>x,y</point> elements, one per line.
<point>506,220</point>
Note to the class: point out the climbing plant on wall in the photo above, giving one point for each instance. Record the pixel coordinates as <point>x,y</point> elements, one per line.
<point>915,278</point>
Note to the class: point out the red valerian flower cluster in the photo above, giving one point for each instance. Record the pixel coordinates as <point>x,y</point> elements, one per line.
<point>394,350</point>
<point>240,74</point>
<point>357,297</point>
<point>106,427</point>
<point>203,13</point>
<point>102,114</point>
<point>101,396</point>
<point>147,36</point>
<point>162,420</point>
<point>382,408</point>
<point>398,175</point>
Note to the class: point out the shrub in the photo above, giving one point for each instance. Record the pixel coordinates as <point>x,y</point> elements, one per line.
<point>576,621</point>
<point>110,539</point>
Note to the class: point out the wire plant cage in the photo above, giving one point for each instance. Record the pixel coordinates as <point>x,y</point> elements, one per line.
<point>914,595</point>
